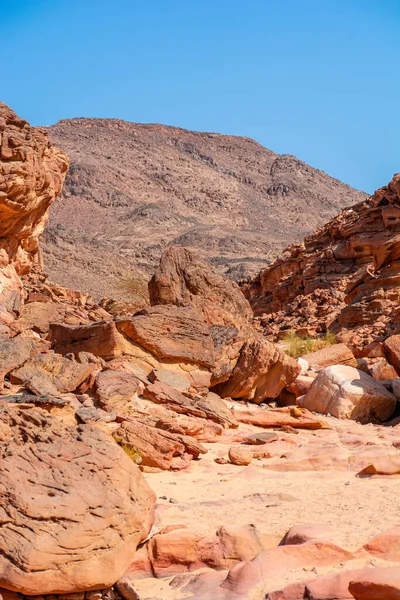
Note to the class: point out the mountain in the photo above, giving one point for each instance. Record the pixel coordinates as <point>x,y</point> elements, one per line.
<point>134,189</point>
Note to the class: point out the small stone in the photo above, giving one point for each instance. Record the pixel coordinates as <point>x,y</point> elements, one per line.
<point>240,456</point>
<point>263,437</point>
<point>173,501</point>
<point>126,589</point>
<point>96,595</point>
<point>221,461</point>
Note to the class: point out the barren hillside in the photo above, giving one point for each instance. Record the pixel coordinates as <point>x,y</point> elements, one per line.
<point>134,189</point>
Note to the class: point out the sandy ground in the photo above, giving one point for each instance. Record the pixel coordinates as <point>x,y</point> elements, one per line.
<point>208,495</point>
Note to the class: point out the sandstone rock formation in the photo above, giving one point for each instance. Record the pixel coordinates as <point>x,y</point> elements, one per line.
<point>247,365</point>
<point>183,280</point>
<point>345,276</point>
<point>32,173</point>
<point>75,513</point>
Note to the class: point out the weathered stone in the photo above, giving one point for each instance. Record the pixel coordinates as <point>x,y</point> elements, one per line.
<point>126,589</point>
<point>348,393</point>
<point>337,354</point>
<point>16,351</point>
<point>179,382</point>
<point>88,508</point>
<point>63,373</point>
<point>391,349</point>
<point>32,172</point>
<point>171,332</point>
<point>261,372</point>
<point>212,407</point>
<point>295,417</point>
<point>101,339</point>
<point>240,455</point>
<point>115,389</point>
<point>183,280</point>
<point>377,584</point>
<point>156,448</point>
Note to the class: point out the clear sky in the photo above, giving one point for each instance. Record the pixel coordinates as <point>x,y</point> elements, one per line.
<point>315,78</point>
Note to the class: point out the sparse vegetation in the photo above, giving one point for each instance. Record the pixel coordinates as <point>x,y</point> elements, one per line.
<point>135,286</point>
<point>296,346</point>
<point>131,452</point>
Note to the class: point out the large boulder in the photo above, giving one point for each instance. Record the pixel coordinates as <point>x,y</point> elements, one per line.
<point>171,332</point>
<point>32,172</point>
<point>64,373</point>
<point>261,372</point>
<point>391,348</point>
<point>347,393</point>
<point>73,505</point>
<point>181,279</point>
<point>172,337</point>
<point>16,351</point>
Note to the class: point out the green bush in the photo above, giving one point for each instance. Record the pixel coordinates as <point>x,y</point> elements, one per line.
<point>296,346</point>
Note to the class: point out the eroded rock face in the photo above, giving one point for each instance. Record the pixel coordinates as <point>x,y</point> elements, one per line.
<point>74,515</point>
<point>345,276</point>
<point>171,332</point>
<point>32,172</point>
<point>261,372</point>
<point>183,280</point>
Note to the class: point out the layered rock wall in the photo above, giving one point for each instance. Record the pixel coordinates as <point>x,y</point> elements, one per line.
<point>32,172</point>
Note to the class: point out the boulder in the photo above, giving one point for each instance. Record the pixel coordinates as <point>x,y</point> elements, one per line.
<point>183,280</point>
<point>63,373</point>
<point>212,407</point>
<point>261,372</point>
<point>75,514</point>
<point>16,351</point>
<point>11,295</point>
<point>386,545</point>
<point>172,333</point>
<point>240,455</point>
<point>115,389</point>
<point>157,448</point>
<point>307,532</point>
<point>348,393</point>
<point>336,354</point>
<point>38,316</point>
<point>391,349</point>
<point>101,339</point>
<point>228,341</point>
<point>179,382</point>
<point>332,587</point>
<point>382,583</point>
<point>32,172</point>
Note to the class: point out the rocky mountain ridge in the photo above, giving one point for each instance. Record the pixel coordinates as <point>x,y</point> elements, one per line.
<point>344,277</point>
<point>132,190</point>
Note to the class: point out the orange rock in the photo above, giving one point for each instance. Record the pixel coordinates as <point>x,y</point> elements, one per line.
<point>32,172</point>
<point>240,455</point>
<point>337,354</point>
<point>391,349</point>
<point>386,545</point>
<point>377,584</point>
<point>81,488</point>
<point>280,417</point>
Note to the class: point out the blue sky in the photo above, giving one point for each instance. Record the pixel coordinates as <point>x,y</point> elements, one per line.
<point>315,78</point>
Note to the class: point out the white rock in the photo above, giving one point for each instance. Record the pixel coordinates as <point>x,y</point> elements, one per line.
<point>348,393</point>
<point>303,364</point>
